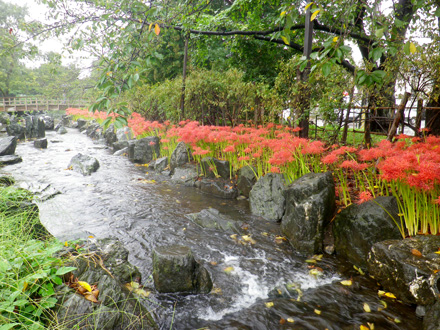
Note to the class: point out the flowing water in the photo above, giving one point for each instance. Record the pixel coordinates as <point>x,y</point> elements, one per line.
<point>120,200</point>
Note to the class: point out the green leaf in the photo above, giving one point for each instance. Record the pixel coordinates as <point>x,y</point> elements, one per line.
<point>64,270</point>
<point>303,65</point>
<point>379,33</point>
<point>326,68</point>
<point>406,48</point>
<point>8,326</point>
<point>437,12</point>
<point>376,53</point>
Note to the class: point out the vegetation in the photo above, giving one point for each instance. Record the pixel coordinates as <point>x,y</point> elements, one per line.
<point>29,272</point>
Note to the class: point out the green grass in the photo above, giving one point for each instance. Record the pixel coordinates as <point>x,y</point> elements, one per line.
<point>354,137</point>
<point>28,271</point>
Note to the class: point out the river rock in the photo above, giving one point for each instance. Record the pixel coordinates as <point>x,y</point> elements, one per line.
<point>8,145</point>
<point>122,152</point>
<point>246,178</point>
<point>180,156</point>
<point>124,134</point>
<point>17,130</point>
<point>210,165</point>
<point>117,307</point>
<point>81,124</point>
<point>4,118</point>
<point>213,219</point>
<point>310,204</point>
<point>185,175</point>
<point>359,226</point>
<point>6,181</point>
<point>49,123</point>
<point>94,131</point>
<point>10,160</point>
<point>120,145</point>
<point>110,135</point>
<point>61,130</point>
<point>408,268</point>
<point>40,143</point>
<point>176,270</point>
<point>266,197</point>
<point>431,320</point>
<point>35,127</point>
<point>160,164</point>
<point>218,188</point>
<point>143,151</point>
<point>84,164</point>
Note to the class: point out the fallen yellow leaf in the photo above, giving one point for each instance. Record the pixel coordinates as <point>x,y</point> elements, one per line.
<point>228,270</point>
<point>311,261</point>
<point>317,311</point>
<point>85,285</point>
<point>269,304</point>
<point>347,282</point>
<point>367,308</point>
<point>290,320</point>
<point>363,327</point>
<point>233,236</point>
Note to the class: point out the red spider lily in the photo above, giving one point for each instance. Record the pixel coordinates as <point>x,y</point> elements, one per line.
<point>364,196</point>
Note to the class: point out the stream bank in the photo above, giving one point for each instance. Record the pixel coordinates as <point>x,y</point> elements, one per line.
<point>256,286</point>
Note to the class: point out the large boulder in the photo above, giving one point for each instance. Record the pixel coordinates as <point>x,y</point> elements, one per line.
<point>218,188</point>
<point>176,270</point>
<point>310,204</point>
<point>124,134</point>
<point>10,160</point>
<point>17,130</point>
<point>35,127</point>
<point>8,145</point>
<point>214,168</point>
<point>160,164</point>
<point>110,135</point>
<point>119,145</point>
<point>40,143</point>
<point>144,150</point>
<point>213,219</point>
<point>49,123</point>
<point>61,130</point>
<point>185,175</point>
<point>180,156</point>
<point>84,164</point>
<point>94,130</point>
<point>359,226</point>
<point>408,268</point>
<point>81,124</point>
<point>267,197</point>
<point>246,178</point>
<point>118,303</point>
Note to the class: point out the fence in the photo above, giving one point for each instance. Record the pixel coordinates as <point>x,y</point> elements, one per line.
<point>11,104</point>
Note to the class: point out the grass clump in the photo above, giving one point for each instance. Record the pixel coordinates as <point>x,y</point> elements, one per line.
<point>28,271</point>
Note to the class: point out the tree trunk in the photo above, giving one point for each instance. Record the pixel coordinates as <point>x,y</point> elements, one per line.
<point>182,98</point>
<point>398,117</point>
<point>419,117</point>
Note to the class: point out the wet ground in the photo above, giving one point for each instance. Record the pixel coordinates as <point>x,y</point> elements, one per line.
<point>145,210</point>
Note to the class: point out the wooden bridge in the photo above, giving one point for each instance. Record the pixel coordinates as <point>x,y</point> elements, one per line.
<point>12,104</point>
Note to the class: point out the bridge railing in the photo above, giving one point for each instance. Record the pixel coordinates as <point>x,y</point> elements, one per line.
<point>39,103</point>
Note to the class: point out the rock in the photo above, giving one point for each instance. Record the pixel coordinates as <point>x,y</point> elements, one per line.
<point>15,129</point>
<point>213,219</point>
<point>431,321</point>
<point>122,152</point>
<point>35,127</point>
<point>120,145</point>
<point>110,135</point>
<point>186,175</point>
<point>66,121</point>
<point>81,124</point>
<point>94,130</point>
<point>246,178</point>
<point>49,123</point>
<point>61,130</point>
<point>144,150</point>
<point>118,308</point>
<point>4,118</point>
<point>6,181</point>
<point>10,160</point>
<point>420,311</point>
<point>175,270</point>
<point>8,145</point>
<point>124,134</point>
<point>84,164</point>
<point>40,143</point>
<point>266,197</point>
<point>211,165</point>
<point>219,188</point>
<point>180,156</point>
<point>408,268</point>
<point>310,204</point>
<point>358,227</point>
<point>160,164</point>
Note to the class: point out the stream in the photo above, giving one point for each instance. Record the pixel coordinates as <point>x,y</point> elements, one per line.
<point>144,210</point>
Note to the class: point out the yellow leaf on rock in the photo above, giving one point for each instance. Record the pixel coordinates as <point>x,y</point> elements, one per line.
<point>269,304</point>
<point>85,285</point>
<point>317,311</point>
<point>437,252</point>
<point>386,294</point>
<point>290,320</point>
<point>367,308</point>
<point>347,282</point>
<point>228,270</point>
<point>311,261</point>
<point>364,327</point>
